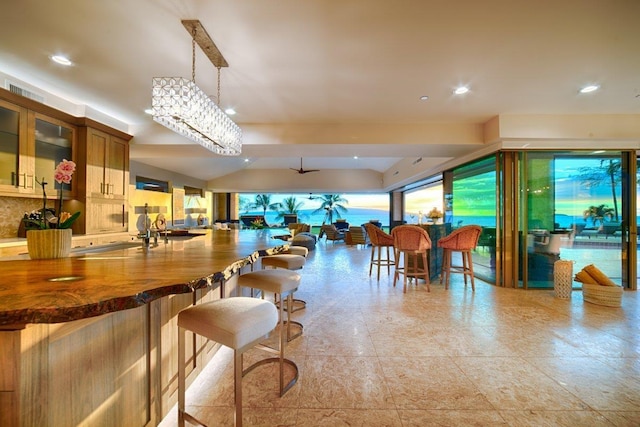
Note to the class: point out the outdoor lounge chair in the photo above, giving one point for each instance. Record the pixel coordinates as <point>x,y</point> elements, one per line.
<point>331,233</point>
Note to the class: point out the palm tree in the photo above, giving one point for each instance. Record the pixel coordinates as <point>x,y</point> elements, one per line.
<point>289,205</point>
<point>331,204</point>
<point>597,214</point>
<point>244,204</point>
<point>609,172</point>
<point>263,201</point>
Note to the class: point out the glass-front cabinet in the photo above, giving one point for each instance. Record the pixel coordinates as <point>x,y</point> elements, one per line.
<point>54,142</point>
<point>31,145</point>
<point>13,137</point>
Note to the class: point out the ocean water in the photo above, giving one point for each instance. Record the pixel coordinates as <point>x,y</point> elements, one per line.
<point>355,216</point>
<point>359,216</point>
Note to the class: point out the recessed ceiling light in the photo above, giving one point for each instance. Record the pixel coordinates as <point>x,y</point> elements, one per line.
<point>424,97</point>
<point>148,111</point>
<point>230,111</point>
<point>590,88</point>
<point>355,157</point>
<point>246,160</point>
<point>62,60</point>
<point>461,90</point>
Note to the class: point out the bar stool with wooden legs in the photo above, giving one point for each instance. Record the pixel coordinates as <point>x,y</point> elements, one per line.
<point>412,243</point>
<point>282,283</point>
<point>239,323</point>
<point>463,240</point>
<point>379,239</point>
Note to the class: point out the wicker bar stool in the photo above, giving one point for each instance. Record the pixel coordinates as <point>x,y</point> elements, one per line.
<point>379,240</point>
<point>239,323</point>
<point>411,242</point>
<point>282,283</point>
<point>462,240</point>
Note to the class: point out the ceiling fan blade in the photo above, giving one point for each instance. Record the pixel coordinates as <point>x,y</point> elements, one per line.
<point>309,170</point>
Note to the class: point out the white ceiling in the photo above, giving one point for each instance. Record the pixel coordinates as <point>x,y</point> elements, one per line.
<point>335,67</point>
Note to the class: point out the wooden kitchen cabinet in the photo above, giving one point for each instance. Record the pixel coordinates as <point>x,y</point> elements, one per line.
<point>31,146</point>
<point>105,216</point>
<point>34,138</point>
<point>104,156</point>
<point>107,165</point>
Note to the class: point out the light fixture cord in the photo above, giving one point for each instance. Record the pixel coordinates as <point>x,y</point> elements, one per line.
<point>218,97</point>
<point>193,55</point>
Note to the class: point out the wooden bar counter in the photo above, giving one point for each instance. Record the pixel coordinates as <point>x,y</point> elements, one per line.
<point>92,339</point>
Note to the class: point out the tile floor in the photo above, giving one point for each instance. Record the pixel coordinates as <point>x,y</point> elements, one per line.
<point>373,356</point>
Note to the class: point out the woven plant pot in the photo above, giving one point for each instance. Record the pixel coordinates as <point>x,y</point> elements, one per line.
<point>610,296</point>
<point>47,244</point>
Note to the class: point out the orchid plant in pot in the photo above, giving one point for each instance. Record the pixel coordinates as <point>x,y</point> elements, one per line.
<point>49,230</point>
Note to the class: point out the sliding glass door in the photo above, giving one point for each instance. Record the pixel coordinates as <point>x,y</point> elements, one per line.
<point>570,208</point>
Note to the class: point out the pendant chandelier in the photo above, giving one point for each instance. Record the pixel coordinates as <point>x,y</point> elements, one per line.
<point>180,105</point>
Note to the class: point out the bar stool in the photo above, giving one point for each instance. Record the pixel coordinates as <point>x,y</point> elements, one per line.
<point>287,261</point>
<point>411,241</point>
<point>379,239</point>
<point>290,262</point>
<point>462,240</point>
<point>281,283</point>
<point>239,323</point>
<point>297,250</point>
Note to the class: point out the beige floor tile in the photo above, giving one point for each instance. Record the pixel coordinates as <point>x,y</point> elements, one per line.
<point>344,382</point>
<point>373,356</point>
<point>255,417</point>
<point>623,419</point>
<point>535,341</point>
<point>515,384</point>
<point>349,343</point>
<point>431,383</point>
<point>554,418</point>
<point>408,343</point>
<point>348,418</point>
<point>602,387</point>
<point>439,418</point>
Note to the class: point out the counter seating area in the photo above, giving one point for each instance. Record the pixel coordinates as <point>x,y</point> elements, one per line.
<point>111,316</point>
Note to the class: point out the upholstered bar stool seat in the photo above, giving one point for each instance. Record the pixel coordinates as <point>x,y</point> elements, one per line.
<point>306,240</point>
<point>297,250</point>
<point>282,283</point>
<point>239,323</point>
<point>288,262</point>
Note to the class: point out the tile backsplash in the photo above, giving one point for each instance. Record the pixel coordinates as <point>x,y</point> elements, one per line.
<point>12,210</point>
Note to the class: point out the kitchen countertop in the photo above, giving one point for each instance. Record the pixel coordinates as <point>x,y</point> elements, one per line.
<point>91,284</point>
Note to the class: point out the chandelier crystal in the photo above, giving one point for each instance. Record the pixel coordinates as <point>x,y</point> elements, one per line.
<point>180,105</point>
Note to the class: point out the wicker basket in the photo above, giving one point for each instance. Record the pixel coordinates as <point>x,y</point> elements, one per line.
<point>610,296</point>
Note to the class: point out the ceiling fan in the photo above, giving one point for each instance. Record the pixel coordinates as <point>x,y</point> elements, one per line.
<point>302,170</point>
